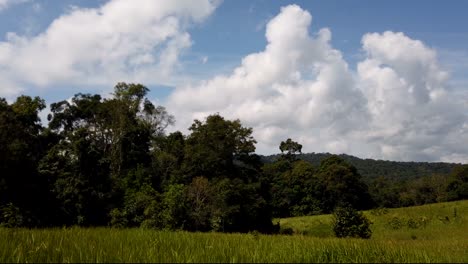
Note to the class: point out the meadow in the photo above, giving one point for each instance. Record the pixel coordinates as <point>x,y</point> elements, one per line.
<point>429,233</point>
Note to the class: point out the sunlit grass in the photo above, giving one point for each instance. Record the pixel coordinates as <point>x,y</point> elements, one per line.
<point>438,241</point>
<point>441,221</point>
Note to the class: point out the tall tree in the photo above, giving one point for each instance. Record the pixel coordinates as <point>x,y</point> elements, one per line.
<point>104,151</point>
<point>293,183</point>
<point>22,145</point>
<point>342,184</point>
<point>290,147</point>
<point>213,146</point>
<point>222,152</point>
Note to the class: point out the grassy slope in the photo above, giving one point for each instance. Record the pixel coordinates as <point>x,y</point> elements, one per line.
<point>440,221</point>
<point>438,241</point>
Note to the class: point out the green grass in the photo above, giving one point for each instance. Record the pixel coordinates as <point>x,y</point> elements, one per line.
<point>440,221</point>
<point>437,241</point>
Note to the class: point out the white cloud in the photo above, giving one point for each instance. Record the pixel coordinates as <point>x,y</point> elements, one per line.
<point>4,4</point>
<point>396,106</point>
<point>137,40</point>
<point>298,87</point>
<point>414,116</point>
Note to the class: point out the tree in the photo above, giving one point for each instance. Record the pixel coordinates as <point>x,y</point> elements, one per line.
<point>458,187</point>
<point>168,155</point>
<point>77,165</point>
<point>385,192</point>
<point>222,152</point>
<point>213,147</point>
<point>341,183</point>
<point>294,188</point>
<point>348,222</point>
<point>174,213</point>
<point>290,147</point>
<point>200,195</point>
<point>22,145</point>
<point>104,152</point>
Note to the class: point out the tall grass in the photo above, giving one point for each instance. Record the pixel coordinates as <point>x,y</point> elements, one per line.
<point>436,242</point>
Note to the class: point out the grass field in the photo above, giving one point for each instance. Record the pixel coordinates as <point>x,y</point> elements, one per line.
<point>431,233</point>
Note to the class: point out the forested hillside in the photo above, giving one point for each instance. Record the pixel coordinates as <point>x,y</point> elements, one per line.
<point>370,168</point>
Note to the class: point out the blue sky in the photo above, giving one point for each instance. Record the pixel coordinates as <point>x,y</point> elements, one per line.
<point>439,24</point>
<point>213,38</point>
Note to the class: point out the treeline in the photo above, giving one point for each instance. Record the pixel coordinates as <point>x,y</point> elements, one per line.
<point>108,162</point>
<point>400,184</point>
<point>371,169</point>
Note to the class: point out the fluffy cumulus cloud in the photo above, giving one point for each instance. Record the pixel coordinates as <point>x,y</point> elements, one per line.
<point>138,40</point>
<point>414,117</point>
<point>396,106</point>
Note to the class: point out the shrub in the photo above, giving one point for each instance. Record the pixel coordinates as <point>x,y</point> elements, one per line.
<point>379,211</point>
<point>413,223</point>
<point>395,223</point>
<point>348,222</point>
<point>118,218</point>
<point>11,216</point>
<point>286,231</point>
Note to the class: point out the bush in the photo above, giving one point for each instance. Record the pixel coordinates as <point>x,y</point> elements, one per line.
<point>395,223</point>
<point>379,211</point>
<point>287,231</point>
<point>348,222</point>
<point>413,223</point>
<point>11,216</point>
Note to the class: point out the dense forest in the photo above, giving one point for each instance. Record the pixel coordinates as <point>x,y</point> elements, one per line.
<point>109,162</point>
<point>370,168</point>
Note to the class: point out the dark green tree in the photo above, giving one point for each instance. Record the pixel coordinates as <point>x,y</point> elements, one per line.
<point>222,152</point>
<point>167,160</point>
<point>22,144</point>
<point>290,148</point>
<point>214,146</point>
<point>341,183</point>
<point>76,165</point>
<point>348,222</point>
<point>295,189</point>
<point>103,157</point>
<point>457,189</point>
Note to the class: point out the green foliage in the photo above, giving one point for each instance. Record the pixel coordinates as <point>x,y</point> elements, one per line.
<point>118,218</point>
<point>371,169</point>
<point>379,211</point>
<point>342,184</point>
<point>108,162</point>
<point>213,147</point>
<point>348,222</point>
<point>200,194</point>
<point>395,223</point>
<point>11,216</point>
<point>174,207</point>
<point>291,148</point>
<point>22,145</point>
<point>295,188</point>
<point>458,187</point>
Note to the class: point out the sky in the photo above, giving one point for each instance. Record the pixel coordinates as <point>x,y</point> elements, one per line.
<point>375,79</point>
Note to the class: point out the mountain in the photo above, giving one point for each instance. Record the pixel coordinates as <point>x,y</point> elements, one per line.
<point>370,168</point>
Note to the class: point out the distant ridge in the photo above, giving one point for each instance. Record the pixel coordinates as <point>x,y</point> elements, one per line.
<point>370,168</point>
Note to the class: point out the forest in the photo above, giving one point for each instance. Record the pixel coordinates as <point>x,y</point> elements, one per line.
<point>109,162</point>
